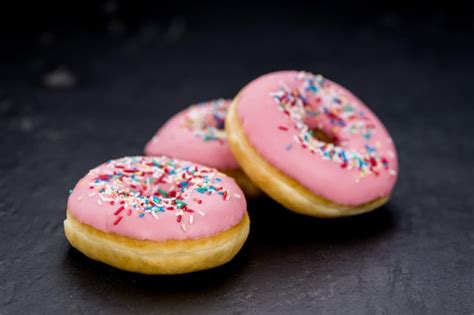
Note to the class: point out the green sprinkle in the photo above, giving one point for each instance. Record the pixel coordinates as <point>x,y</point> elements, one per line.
<point>163,193</point>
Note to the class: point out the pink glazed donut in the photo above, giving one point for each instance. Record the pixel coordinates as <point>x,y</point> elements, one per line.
<point>197,134</point>
<point>157,215</point>
<point>312,145</point>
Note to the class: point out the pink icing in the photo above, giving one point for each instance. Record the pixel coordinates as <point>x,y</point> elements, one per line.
<point>277,111</point>
<point>192,135</point>
<point>116,198</point>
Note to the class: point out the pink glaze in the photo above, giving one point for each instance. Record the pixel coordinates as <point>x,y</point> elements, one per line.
<point>281,136</point>
<point>104,200</point>
<point>196,134</point>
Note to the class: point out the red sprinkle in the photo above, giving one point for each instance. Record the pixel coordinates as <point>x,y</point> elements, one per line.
<point>283,128</point>
<point>119,210</point>
<point>118,220</point>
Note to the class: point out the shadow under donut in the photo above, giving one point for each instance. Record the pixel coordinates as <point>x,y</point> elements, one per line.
<point>272,223</point>
<point>278,239</point>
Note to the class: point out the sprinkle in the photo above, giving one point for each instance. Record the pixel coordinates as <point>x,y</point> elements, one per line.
<point>79,198</point>
<point>316,98</point>
<point>237,196</point>
<point>183,227</point>
<point>163,192</point>
<point>136,184</point>
<point>288,147</point>
<point>117,212</point>
<point>296,139</point>
<point>201,213</point>
<point>191,219</point>
<point>70,191</point>
<point>392,172</point>
<point>117,221</point>
<point>207,120</point>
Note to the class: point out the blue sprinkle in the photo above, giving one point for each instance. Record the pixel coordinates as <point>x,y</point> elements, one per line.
<point>370,149</point>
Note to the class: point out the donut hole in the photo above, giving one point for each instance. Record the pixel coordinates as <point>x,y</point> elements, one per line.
<point>323,136</point>
<point>318,129</point>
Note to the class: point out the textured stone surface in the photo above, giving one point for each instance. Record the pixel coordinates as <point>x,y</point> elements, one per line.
<point>74,96</point>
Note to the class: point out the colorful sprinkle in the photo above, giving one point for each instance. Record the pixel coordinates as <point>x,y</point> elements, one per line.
<point>342,116</point>
<point>117,221</point>
<point>206,120</point>
<point>146,185</point>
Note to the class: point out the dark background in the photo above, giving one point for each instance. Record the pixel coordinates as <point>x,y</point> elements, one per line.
<point>83,82</point>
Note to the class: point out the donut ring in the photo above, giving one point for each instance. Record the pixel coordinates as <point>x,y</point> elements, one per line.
<point>311,145</point>
<point>157,215</point>
<point>197,134</point>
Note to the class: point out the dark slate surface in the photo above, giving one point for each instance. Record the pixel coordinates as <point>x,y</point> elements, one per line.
<point>125,71</point>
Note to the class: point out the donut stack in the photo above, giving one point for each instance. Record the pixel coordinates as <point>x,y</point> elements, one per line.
<point>299,138</point>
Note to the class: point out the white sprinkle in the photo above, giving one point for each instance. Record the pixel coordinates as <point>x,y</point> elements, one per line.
<point>99,202</point>
<point>237,196</point>
<point>91,194</point>
<point>296,139</point>
<point>191,219</point>
<point>154,215</point>
<point>79,198</point>
<point>201,213</point>
<point>392,172</point>
<point>183,227</point>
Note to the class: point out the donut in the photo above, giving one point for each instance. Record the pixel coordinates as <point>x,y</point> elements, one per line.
<point>197,134</point>
<point>157,215</point>
<point>312,145</point>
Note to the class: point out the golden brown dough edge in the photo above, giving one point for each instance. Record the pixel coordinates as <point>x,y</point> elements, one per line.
<point>248,187</point>
<point>149,257</point>
<point>278,185</point>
